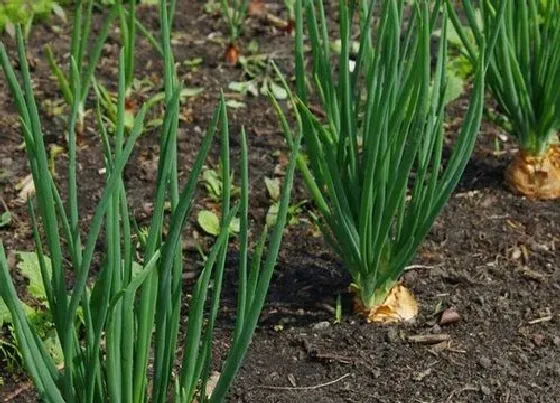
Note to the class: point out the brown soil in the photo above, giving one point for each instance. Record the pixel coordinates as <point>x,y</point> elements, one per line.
<point>491,255</point>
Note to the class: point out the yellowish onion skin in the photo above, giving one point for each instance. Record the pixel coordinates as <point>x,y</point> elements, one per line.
<point>537,177</point>
<point>399,306</point>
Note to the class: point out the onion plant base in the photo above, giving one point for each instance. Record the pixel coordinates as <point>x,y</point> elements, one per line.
<point>256,8</point>
<point>537,177</point>
<point>399,306</point>
<point>231,55</point>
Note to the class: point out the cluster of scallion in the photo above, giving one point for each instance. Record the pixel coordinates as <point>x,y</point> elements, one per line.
<point>523,77</point>
<point>120,318</point>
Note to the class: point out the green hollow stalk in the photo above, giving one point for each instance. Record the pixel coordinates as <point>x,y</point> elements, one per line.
<point>127,24</point>
<point>219,273</point>
<point>36,152</point>
<point>114,251</point>
<point>170,289</point>
<point>198,342</point>
<point>242,302</point>
<point>147,307</point>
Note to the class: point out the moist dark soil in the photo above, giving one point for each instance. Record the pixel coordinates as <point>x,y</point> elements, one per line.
<point>491,255</point>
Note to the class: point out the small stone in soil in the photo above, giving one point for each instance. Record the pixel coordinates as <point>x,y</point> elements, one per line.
<point>485,362</point>
<point>410,277</point>
<point>419,376</point>
<point>392,335</point>
<point>485,390</point>
<point>449,316</point>
<point>522,358</point>
<point>272,376</point>
<point>538,339</point>
<point>321,325</point>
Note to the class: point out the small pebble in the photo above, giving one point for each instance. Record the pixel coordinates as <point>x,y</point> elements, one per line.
<point>538,339</point>
<point>449,316</point>
<point>392,335</point>
<point>321,325</point>
<point>410,277</point>
<point>272,376</point>
<point>485,362</point>
<point>522,358</point>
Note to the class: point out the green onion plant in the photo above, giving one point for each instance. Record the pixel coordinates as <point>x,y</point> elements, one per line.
<point>235,13</point>
<point>121,326</point>
<point>375,165</point>
<point>524,72</point>
<point>523,77</point>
